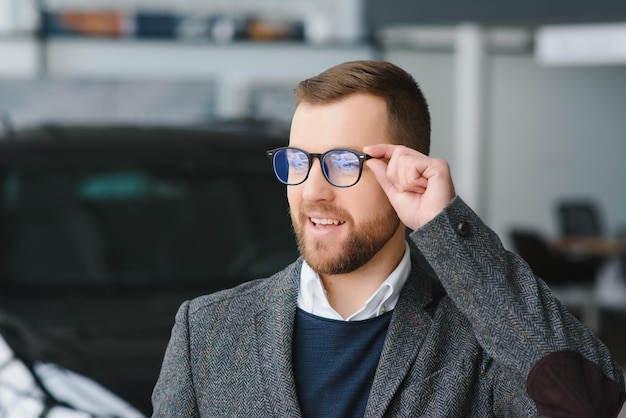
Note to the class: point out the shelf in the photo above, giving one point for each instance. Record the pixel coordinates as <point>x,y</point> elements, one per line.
<point>233,68</point>
<point>191,60</point>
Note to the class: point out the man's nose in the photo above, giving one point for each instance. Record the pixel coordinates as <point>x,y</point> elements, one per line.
<point>316,187</point>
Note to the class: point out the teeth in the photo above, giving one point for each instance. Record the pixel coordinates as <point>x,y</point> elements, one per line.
<point>318,221</point>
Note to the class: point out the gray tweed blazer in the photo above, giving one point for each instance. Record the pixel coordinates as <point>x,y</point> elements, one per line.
<point>474,334</point>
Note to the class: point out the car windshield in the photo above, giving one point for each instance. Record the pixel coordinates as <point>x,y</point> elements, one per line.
<point>89,223</point>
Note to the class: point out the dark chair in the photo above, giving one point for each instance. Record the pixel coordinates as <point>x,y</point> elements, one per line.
<point>552,266</point>
<point>579,218</point>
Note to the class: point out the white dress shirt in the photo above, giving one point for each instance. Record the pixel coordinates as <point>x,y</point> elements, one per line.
<point>312,295</point>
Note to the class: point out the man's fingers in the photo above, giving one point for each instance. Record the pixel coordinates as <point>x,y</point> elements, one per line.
<point>394,180</point>
<point>379,168</point>
<point>401,169</point>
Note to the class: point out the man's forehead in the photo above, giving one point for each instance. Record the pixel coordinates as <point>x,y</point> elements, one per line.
<point>352,123</point>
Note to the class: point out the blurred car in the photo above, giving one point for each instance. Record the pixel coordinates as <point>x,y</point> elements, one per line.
<point>105,230</point>
<point>32,388</point>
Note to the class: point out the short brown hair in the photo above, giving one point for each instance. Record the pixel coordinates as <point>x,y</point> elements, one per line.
<point>407,110</point>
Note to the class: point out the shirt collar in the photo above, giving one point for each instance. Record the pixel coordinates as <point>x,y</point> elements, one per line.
<point>312,295</point>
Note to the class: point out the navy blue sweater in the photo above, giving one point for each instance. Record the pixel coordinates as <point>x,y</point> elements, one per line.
<point>334,363</point>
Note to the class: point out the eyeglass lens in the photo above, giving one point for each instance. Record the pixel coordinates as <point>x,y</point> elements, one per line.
<point>341,168</point>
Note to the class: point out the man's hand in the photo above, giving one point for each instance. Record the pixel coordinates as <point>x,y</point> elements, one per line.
<point>418,187</point>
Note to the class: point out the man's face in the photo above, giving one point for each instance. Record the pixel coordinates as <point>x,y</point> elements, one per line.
<point>341,229</point>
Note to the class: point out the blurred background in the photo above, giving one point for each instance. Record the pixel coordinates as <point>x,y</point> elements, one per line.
<point>528,100</point>
<point>542,111</point>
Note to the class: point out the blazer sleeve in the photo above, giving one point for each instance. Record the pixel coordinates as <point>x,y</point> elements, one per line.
<point>174,395</point>
<point>516,319</point>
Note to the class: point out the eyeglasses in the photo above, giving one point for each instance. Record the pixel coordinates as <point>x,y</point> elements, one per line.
<point>341,167</point>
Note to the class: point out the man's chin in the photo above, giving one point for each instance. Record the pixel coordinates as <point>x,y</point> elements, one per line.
<point>326,261</point>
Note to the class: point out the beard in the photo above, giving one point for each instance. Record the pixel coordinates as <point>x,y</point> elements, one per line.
<point>361,245</point>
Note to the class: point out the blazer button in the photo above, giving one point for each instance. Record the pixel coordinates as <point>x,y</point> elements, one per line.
<point>464,229</point>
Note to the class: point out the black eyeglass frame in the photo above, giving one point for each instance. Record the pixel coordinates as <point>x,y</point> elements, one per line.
<point>362,157</point>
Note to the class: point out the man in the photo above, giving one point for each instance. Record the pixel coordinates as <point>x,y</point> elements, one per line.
<point>368,323</point>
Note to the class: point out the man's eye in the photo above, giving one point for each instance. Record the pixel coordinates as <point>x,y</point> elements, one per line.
<point>298,165</point>
<point>345,165</point>
<point>349,167</point>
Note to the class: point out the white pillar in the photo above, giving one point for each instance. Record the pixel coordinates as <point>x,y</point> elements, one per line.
<point>469,86</point>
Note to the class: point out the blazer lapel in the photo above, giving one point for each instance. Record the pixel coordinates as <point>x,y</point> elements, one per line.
<point>409,325</point>
<point>274,335</point>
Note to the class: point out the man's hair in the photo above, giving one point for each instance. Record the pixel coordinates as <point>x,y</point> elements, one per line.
<point>407,110</point>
